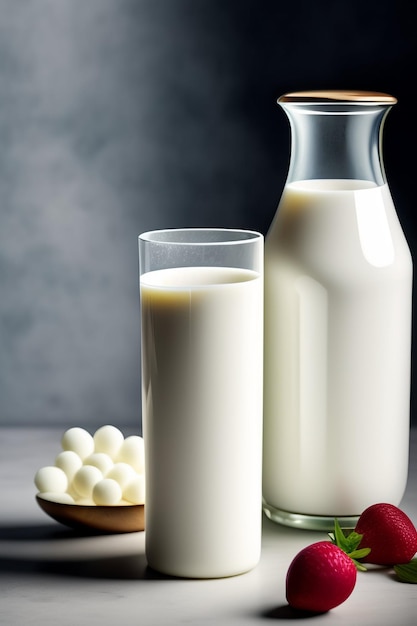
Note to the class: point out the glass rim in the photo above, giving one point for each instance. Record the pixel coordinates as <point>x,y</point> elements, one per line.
<point>243,236</point>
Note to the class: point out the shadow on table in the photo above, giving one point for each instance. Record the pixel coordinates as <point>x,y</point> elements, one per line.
<point>285,612</point>
<point>49,549</point>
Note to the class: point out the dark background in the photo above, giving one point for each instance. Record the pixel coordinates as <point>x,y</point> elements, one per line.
<point>118,116</point>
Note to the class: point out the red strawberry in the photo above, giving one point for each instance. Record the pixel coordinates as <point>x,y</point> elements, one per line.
<point>389,533</point>
<point>320,577</point>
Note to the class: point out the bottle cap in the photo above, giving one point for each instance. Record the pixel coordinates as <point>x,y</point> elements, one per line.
<point>339,95</point>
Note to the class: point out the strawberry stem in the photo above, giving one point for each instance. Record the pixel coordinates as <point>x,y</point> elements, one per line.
<point>349,544</point>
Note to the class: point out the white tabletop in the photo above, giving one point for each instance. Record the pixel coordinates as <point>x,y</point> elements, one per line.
<point>51,575</point>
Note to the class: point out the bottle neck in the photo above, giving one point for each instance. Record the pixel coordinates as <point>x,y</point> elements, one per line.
<point>336,140</point>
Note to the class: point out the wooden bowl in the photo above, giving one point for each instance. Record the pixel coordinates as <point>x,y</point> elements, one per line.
<point>113,519</point>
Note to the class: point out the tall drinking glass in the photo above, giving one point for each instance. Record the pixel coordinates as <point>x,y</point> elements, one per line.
<point>202,352</point>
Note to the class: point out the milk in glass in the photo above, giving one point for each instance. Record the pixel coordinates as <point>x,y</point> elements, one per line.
<point>202,343</point>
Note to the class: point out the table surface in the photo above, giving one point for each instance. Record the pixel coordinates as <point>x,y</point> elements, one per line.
<point>49,574</point>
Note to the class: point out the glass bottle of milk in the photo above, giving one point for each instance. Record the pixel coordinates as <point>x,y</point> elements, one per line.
<point>338,288</point>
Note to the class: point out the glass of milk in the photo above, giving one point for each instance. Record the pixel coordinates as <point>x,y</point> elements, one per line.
<point>201,293</point>
<point>338,292</point>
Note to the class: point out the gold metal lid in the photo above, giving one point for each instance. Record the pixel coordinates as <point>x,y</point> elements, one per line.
<point>339,95</point>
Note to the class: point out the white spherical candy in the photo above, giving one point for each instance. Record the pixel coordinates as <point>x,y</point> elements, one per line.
<point>134,492</point>
<point>51,478</point>
<point>85,480</point>
<point>100,460</point>
<point>84,501</point>
<point>121,473</point>
<point>132,451</point>
<point>73,492</point>
<point>69,462</point>
<point>61,498</point>
<point>79,471</point>
<point>108,439</point>
<point>107,492</point>
<point>78,440</point>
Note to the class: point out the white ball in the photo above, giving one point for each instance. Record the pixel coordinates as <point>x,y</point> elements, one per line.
<point>69,462</point>
<point>79,501</point>
<point>51,478</point>
<point>107,492</point>
<point>121,473</point>
<point>108,439</point>
<point>73,492</point>
<point>100,460</point>
<point>134,492</point>
<point>85,480</point>
<point>78,440</point>
<point>61,498</point>
<point>132,451</point>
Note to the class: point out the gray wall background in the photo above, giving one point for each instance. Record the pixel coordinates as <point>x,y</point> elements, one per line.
<point>117,116</point>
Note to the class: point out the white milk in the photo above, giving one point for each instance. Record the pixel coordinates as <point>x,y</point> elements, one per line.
<point>202,336</point>
<point>337,351</point>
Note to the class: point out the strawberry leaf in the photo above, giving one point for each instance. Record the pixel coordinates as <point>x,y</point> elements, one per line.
<point>349,544</point>
<point>407,573</point>
<point>354,540</point>
<point>359,554</point>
